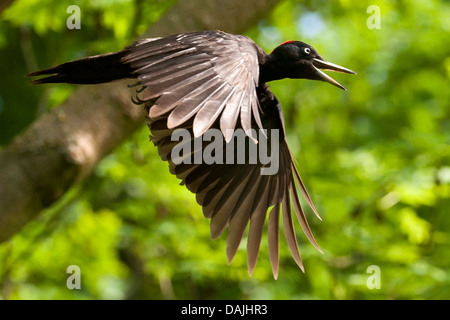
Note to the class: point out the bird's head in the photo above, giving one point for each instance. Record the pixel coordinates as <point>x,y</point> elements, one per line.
<point>298,60</point>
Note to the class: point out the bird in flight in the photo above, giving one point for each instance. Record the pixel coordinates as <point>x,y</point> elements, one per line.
<point>207,80</point>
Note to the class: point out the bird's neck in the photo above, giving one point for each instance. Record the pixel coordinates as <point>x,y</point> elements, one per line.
<point>270,69</point>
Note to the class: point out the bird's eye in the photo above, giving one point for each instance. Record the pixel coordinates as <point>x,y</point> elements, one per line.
<point>307,50</point>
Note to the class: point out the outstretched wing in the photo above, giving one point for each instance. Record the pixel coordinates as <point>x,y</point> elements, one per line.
<point>202,75</point>
<point>236,195</point>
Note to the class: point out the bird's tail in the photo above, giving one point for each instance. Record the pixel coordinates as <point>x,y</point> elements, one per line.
<point>90,70</point>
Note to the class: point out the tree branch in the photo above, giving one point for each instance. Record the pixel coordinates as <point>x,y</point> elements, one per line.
<point>64,145</point>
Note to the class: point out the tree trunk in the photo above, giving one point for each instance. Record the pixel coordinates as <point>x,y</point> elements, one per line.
<point>64,145</point>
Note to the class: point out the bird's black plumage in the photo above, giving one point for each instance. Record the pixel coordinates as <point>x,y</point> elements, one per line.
<point>215,80</point>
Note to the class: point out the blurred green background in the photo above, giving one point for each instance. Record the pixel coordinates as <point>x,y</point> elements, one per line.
<point>375,160</point>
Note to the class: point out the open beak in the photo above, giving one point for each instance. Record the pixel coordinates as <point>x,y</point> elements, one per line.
<point>325,65</point>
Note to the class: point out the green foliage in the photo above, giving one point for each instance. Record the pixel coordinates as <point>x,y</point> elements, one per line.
<point>375,160</point>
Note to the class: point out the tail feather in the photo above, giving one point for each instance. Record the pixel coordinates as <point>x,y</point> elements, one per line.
<point>91,70</point>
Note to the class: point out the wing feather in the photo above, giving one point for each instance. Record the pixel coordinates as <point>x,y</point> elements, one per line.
<point>273,238</point>
<point>241,215</point>
<point>188,73</point>
<point>257,220</point>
